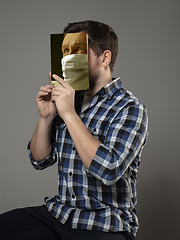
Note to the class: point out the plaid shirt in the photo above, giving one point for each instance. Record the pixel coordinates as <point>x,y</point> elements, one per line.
<point>102,198</point>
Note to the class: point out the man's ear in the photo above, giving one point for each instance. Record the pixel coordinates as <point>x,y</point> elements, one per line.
<point>106,58</point>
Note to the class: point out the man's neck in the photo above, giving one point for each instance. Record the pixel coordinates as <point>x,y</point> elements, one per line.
<point>101,82</point>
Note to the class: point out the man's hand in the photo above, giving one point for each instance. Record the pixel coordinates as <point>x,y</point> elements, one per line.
<point>63,97</point>
<point>46,107</point>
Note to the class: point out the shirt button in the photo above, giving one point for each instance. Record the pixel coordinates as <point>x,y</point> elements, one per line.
<point>73,196</point>
<point>70,173</point>
<point>111,154</point>
<point>73,148</point>
<point>94,129</point>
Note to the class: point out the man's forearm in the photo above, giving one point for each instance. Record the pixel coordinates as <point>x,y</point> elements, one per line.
<point>40,143</point>
<point>84,141</point>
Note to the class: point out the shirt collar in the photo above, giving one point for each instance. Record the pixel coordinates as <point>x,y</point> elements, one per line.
<point>112,87</point>
<point>108,89</point>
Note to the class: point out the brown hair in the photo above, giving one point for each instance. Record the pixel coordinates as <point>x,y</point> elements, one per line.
<point>101,37</point>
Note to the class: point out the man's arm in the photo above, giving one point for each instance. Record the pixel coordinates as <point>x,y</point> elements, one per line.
<point>40,143</point>
<point>85,143</point>
<point>107,162</point>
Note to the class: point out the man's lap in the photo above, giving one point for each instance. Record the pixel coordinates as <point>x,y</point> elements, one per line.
<point>28,223</point>
<point>37,223</point>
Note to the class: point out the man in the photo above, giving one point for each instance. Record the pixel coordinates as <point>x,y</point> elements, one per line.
<point>97,137</point>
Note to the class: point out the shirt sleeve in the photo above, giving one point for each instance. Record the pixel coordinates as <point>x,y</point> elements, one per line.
<point>46,162</point>
<point>124,142</point>
<point>52,157</point>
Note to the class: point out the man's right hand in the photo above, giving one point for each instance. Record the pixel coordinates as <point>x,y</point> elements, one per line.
<point>46,107</point>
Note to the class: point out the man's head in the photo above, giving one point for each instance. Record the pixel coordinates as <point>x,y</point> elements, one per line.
<point>101,37</point>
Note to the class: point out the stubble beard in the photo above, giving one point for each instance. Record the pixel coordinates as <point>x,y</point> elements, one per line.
<point>94,76</point>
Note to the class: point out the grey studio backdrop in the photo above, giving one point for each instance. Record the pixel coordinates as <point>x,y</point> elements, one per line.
<point>148,64</point>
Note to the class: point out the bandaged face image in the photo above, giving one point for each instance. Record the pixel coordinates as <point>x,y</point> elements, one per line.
<point>74,43</point>
<point>74,61</point>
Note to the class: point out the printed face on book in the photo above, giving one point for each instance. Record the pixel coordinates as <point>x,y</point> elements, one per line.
<point>74,43</point>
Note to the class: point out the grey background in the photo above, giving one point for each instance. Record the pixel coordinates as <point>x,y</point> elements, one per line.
<point>148,64</point>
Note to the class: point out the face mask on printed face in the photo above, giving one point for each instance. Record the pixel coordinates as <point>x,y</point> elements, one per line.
<point>75,71</point>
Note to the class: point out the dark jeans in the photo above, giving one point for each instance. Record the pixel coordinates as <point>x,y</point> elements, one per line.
<point>36,223</point>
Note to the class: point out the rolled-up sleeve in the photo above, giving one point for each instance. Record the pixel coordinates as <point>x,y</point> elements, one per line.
<point>46,162</point>
<point>125,139</point>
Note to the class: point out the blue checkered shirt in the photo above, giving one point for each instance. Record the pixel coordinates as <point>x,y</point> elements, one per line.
<point>103,197</point>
